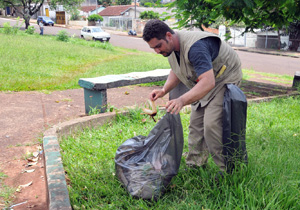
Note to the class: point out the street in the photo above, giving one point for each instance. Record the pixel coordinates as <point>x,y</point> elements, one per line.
<point>253,61</point>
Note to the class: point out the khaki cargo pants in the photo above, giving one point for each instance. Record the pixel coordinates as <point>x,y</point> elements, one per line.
<point>205,133</point>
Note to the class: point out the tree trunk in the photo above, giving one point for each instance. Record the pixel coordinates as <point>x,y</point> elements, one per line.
<point>27,21</point>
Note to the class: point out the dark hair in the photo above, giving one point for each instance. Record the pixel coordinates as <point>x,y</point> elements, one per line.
<point>156,29</point>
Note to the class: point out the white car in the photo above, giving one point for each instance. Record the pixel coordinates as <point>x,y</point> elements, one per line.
<point>94,33</point>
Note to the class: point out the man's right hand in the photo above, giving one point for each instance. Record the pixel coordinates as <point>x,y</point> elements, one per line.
<point>157,93</point>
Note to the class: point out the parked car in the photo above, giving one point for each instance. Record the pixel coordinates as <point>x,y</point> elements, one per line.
<point>94,33</point>
<point>46,20</point>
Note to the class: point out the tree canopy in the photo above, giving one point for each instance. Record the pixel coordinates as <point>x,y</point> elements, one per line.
<point>253,13</point>
<point>123,2</point>
<point>28,8</point>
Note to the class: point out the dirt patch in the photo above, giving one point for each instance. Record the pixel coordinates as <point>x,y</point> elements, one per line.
<point>26,115</point>
<point>255,89</point>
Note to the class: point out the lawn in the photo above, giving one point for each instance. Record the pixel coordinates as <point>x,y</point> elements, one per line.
<point>270,181</point>
<point>33,62</point>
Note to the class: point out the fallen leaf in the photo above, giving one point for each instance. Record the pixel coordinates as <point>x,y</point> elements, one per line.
<point>32,159</point>
<point>35,154</point>
<point>29,171</point>
<point>126,93</point>
<point>20,187</point>
<point>32,163</point>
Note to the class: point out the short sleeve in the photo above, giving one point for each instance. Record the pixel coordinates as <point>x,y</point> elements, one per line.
<point>202,54</point>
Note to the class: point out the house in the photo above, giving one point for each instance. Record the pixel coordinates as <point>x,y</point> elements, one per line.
<point>126,17</point>
<point>113,16</point>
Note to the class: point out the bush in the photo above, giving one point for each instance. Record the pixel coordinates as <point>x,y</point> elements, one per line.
<point>63,36</point>
<point>149,15</point>
<point>30,30</point>
<point>95,17</point>
<point>8,29</point>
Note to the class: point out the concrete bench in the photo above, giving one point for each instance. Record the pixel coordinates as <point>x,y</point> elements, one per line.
<point>95,89</point>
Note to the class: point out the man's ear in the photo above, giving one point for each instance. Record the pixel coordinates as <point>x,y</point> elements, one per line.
<point>168,36</point>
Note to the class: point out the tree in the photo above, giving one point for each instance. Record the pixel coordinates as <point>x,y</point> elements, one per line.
<point>104,3</point>
<point>28,8</point>
<point>147,3</point>
<point>253,13</point>
<point>123,2</point>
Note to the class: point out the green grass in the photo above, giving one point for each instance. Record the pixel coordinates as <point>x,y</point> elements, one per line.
<point>270,181</point>
<point>43,63</point>
<point>6,193</point>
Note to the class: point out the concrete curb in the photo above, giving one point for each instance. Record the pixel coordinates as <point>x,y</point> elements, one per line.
<point>267,52</point>
<point>58,195</point>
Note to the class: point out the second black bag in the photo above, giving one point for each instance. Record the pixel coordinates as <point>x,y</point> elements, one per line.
<point>234,127</point>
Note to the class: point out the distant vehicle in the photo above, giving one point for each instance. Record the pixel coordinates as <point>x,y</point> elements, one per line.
<point>46,20</point>
<point>132,32</point>
<point>94,33</point>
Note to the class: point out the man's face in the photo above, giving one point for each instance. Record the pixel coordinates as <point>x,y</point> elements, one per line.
<point>162,46</point>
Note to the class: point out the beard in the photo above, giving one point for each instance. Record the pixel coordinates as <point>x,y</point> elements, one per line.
<point>166,54</point>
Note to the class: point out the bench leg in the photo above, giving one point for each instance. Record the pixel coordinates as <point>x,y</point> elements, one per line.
<point>296,81</point>
<point>95,99</point>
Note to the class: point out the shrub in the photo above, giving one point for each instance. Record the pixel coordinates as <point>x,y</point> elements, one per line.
<point>95,17</point>
<point>8,29</point>
<point>149,15</point>
<point>63,36</point>
<point>75,15</point>
<point>30,30</point>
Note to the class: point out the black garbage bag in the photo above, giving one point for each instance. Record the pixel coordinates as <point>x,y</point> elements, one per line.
<point>234,127</point>
<point>146,165</point>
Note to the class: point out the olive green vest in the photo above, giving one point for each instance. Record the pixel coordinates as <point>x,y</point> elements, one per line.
<point>186,73</point>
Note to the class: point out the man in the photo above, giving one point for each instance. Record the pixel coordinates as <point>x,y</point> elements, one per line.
<point>203,63</point>
<point>41,25</point>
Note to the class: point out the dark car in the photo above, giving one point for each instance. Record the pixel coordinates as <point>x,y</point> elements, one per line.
<point>45,20</point>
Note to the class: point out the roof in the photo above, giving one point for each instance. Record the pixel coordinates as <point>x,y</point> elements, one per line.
<point>88,8</point>
<point>114,10</point>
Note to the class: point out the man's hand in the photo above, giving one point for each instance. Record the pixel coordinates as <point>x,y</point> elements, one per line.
<point>174,106</point>
<point>157,93</point>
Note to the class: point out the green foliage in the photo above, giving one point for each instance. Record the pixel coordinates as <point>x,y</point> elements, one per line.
<point>63,36</point>
<point>30,30</point>
<point>104,3</point>
<point>254,13</point>
<point>8,29</point>
<point>69,5</point>
<point>147,3</point>
<point>149,15</point>
<point>123,2</point>
<point>95,17</point>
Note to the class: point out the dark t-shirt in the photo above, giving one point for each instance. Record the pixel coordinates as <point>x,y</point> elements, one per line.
<point>203,53</point>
